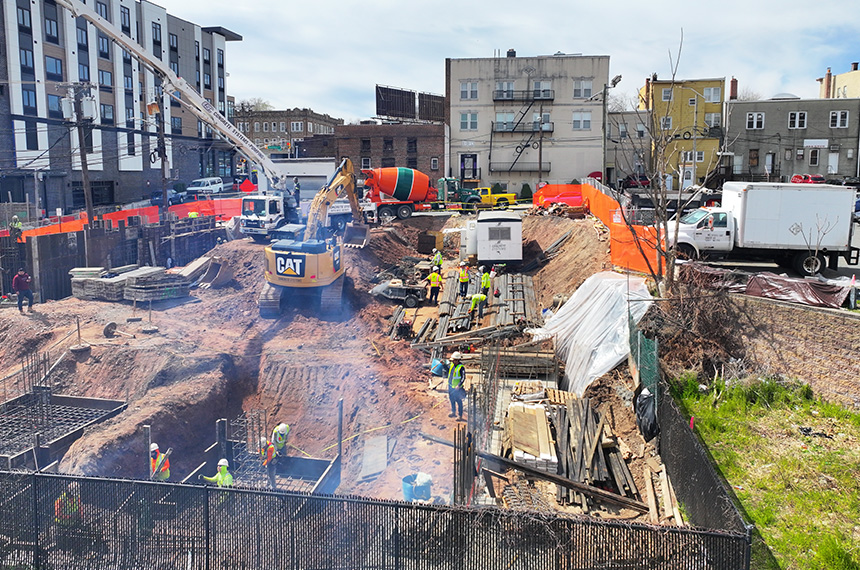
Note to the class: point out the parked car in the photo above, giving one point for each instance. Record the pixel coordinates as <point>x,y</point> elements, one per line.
<point>807,179</point>
<point>635,181</point>
<point>852,181</point>
<point>213,185</point>
<point>173,197</point>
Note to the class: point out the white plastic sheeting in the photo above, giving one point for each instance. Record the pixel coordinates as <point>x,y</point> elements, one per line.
<point>591,327</point>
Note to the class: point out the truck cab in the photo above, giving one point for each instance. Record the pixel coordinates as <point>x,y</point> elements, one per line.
<point>452,191</point>
<point>261,214</point>
<point>706,230</point>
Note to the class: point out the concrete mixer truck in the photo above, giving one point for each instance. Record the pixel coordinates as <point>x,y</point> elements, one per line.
<point>397,192</point>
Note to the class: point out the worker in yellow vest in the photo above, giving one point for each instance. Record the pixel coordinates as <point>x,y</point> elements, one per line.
<point>463,278</point>
<point>435,281</point>
<point>478,300</point>
<point>456,385</point>
<point>437,258</point>
<point>486,280</point>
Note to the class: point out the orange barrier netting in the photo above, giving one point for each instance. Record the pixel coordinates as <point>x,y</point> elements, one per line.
<point>570,194</point>
<point>623,249</point>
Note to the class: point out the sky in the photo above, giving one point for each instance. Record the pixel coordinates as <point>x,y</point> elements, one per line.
<point>329,55</point>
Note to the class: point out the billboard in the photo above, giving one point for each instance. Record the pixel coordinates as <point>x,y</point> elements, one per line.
<point>431,107</point>
<point>394,102</point>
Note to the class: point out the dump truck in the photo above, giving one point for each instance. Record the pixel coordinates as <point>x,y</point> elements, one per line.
<point>805,226</point>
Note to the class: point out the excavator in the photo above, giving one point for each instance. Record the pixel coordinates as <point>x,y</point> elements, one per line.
<point>308,261</point>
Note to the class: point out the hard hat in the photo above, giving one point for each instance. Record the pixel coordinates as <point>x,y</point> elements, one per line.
<point>153,447</point>
<point>435,250</point>
<point>456,355</point>
<point>481,269</point>
<point>75,487</point>
<point>263,441</point>
<point>282,428</point>
<point>435,268</point>
<point>462,263</point>
<point>223,463</point>
<point>15,217</point>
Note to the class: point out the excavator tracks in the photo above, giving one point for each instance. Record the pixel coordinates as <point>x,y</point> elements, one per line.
<point>331,297</point>
<point>270,300</point>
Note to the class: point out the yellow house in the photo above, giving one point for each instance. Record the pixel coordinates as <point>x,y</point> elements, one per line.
<point>840,86</point>
<point>686,119</point>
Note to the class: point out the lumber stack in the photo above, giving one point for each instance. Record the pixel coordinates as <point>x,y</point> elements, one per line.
<point>528,436</point>
<point>517,302</point>
<point>588,452</point>
<point>90,283</point>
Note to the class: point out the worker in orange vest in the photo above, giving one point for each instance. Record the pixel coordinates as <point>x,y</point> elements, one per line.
<point>67,516</point>
<point>159,464</point>
<point>269,454</point>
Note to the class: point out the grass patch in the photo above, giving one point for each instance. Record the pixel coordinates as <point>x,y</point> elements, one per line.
<point>794,462</point>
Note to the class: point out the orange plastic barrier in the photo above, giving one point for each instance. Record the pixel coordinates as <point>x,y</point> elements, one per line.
<point>623,248</point>
<point>223,209</point>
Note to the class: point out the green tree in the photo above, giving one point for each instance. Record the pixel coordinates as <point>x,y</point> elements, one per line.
<point>526,192</point>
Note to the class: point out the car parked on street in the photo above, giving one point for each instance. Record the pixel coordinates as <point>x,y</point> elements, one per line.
<point>173,197</point>
<point>212,185</point>
<point>635,181</point>
<point>807,179</point>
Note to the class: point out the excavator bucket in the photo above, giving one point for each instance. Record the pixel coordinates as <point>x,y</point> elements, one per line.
<point>217,274</point>
<point>356,235</point>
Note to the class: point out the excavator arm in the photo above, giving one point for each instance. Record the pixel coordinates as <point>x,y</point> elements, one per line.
<point>341,183</point>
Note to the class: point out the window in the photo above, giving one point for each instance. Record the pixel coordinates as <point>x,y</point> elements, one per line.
<point>787,155</point>
<point>104,46</point>
<point>296,126</point>
<point>173,41</point>
<point>713,120</point>
<point>101,8</point>
<point>156,33</point>
<point>387,145</point>
<point>365,163</point>
<point>174,67</point>
<point>412,162</point>
<point>106,114</point>
<point>126,56</point>
<point>274,127</point>
<point>411,145</point>
<point>29,100</point>
<point>640,131</point>
<point>265,126</point>
<point>468,90</point>
<point>667,94</point>
<point>26,59</point>
<point>283,128</point>
<point>468,121</point>
<point>82,37</point>
<point>83,72</point>
<point>798,155</point>
<point>129,82</point>
<point>256,126</point>
<point>700,156</point>
<point>388,162</point>
<point>501,233</point>
<point>582,88</point>
<point>24,23</point>
<point>582,121</point>
<point>51,31</point>
<point>105,78</point>
<point>622,130</point>
<point>55,109</point>
<point>176,125</point>
<point>813,157</point>
<point>434,163</point>
<point>504,90</point>
<point>838,120</point>
<point>543,89</point>
<point>753,158</point>
<point>365,145</point>
<point>504,121</point>
<point>220,55</point>
<point>712,94</point>
<point>32,135</point>
<point>541,122</point>
<point>755,121</point>
<point>310,127</point>
<point>797,120</point>
<point>666,123</point>
<point>207,55</point>
<point>125,19</point>
<point>207,81</point>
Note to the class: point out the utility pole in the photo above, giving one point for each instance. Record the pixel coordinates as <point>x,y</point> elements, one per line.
<point>161,150</point>
<point>540,148</point>
<point>76,93</point>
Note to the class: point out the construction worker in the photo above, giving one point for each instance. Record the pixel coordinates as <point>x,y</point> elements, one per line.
<point>16,228</point>
<point>463,278</point>
<point>478,300</point>
<point>437,258</point>
<point>279,438</point>
<point>159,469</point>
<point>486,280</point>
<point>67,516</point>
<point>269,455</point>
<point>435,281</point>
<point>456,388</point>
<point>21,285</point>
<point>222,478</point>
<point>193,214</point>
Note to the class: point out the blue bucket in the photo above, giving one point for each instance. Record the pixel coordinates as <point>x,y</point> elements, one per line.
<point>413,492</point>
<point>438,368</point>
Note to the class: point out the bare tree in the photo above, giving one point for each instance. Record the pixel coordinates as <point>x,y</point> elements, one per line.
<point>253,104</point>
<point>748,94</point>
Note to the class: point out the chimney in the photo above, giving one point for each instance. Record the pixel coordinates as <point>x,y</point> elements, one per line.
<point>854,65</point>
<point>828,78</point>
<point>733,89</point>
<point>647,93</point>
<point>512,52</point>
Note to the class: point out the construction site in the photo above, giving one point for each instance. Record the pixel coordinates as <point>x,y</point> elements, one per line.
<point>539,472</point>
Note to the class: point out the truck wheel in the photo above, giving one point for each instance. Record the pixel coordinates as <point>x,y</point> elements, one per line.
<point>411,301</point>
<point>386,214</point>
<point>502,203</point>
<point>471,206</point>
<point>807,263</point>
<point>685,251</point>
<point>339,223</point>
<point>258,238</point>
<point>404,211</point>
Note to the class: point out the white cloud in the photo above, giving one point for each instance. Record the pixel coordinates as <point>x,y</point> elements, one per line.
<point>328,55</point>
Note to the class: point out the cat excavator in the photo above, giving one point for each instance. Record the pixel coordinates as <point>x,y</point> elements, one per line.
<point>308,260</point>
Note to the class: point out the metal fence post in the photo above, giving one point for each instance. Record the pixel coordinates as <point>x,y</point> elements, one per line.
<point>208,525</point>
<point>36,558</point>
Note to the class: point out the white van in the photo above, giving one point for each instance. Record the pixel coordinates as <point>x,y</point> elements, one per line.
<point>206,186</point>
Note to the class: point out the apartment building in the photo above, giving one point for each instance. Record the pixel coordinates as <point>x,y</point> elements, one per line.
<point>628,145</point>
<point>418,146</point>
<point>279,132</point>
<point>841,85</point>
<point>46,49</point>
<point>687,115</point>
<point>515,120</point>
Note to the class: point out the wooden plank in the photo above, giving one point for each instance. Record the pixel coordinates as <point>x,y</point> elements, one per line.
<point>375,458</point>
<point>649,497</point>
<point>667,497</point>
<point>679,520</point>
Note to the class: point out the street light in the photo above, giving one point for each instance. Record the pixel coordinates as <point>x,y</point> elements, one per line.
<point>606,87</point>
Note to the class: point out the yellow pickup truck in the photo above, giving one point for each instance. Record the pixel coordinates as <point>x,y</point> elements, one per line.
<point>496,200</point>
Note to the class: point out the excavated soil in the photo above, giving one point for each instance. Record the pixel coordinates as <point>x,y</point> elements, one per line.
<point>215,357</point>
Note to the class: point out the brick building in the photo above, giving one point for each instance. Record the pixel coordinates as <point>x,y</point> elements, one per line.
<point>421,147</point>
<point>279,132</point>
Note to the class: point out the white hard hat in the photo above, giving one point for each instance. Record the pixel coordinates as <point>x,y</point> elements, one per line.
<point>282,428</point>
<point>435,250</point>
<point>456,355</point>
<point>153,447</point>
<point>462,263</point>
<point>435,268</point>
<point>481,269</point>
<point>263,441</point>
<point>223,462</point>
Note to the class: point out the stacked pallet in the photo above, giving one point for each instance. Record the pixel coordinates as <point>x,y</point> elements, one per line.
<point>154,284</point>
<point>588,452</point>
<point>89,282</point>
<point>528,438</point>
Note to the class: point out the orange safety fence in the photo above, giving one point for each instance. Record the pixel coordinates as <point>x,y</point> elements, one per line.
<point>570,194</point>
<point>623,248</point>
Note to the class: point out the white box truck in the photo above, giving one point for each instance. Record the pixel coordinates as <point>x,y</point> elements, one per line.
<point>804,226</point>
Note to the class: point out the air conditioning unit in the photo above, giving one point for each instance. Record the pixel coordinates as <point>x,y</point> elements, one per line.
<point>834,148</point>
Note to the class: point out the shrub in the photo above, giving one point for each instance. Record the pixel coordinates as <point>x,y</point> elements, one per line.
<point>526,192</point>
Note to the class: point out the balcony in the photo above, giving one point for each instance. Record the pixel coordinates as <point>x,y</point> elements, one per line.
<point>526,95</point>
<point>524,127</point>
<point>520,166</point>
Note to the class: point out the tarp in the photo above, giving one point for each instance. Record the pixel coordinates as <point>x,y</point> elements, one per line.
<point>591,327</point>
